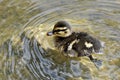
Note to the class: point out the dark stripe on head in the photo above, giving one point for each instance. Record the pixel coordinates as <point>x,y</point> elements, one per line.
<point>58,30</point>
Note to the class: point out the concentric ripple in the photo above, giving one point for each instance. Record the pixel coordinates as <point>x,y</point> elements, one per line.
<point>26,53</point>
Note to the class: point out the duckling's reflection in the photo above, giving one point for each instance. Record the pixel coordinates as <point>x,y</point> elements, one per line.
<point>67,66</point>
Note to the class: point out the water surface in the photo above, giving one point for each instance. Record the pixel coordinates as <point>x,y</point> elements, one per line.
<point>26,53</point>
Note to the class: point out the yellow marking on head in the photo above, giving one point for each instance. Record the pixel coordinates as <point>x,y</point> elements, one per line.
<point>60,28</point>
<point>63,33</point>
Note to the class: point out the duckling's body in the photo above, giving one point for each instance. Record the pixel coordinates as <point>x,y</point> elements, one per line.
<point>74,43</point>
<point>81,42</point>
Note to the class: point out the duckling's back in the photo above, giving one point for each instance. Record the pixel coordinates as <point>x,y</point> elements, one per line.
<point>87,44</point>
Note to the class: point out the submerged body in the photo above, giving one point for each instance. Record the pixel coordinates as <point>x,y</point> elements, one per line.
<point>74,43</point>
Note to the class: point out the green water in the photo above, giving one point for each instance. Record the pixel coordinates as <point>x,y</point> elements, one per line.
<point>26,53</point>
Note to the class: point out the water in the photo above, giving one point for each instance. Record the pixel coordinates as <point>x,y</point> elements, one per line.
<point>26,53</point>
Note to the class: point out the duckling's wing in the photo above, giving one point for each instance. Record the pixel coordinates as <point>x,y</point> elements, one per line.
<point>91,44</point>
<point>94,43</point>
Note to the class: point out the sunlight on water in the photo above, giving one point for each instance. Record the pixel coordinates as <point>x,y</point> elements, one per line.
<point>26,53</point>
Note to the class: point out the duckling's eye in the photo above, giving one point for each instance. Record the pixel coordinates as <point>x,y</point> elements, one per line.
<point>65,32</point>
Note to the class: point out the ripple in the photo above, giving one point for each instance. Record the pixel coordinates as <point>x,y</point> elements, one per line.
<point>27,53</point>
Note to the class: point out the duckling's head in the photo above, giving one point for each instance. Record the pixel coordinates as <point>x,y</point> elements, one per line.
<point>61,29</point>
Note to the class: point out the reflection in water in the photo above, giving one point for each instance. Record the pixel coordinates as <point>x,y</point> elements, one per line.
<point>31,61</point>
<point>26,53</point>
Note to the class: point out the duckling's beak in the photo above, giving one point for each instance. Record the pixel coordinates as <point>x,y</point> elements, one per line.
<point>50,33</point>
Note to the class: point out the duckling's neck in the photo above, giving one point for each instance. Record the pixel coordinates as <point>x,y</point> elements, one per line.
<point>64,40</point>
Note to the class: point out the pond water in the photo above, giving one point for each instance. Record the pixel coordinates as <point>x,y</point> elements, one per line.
<point>26,53</point>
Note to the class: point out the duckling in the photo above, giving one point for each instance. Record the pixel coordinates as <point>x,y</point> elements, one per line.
<point>75,44</point>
